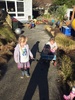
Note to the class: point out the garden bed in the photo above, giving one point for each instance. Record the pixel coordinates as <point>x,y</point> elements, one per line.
<point>7,43</point>
<point>65,58</point>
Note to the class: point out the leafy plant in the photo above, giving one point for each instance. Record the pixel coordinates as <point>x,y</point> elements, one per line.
<point>52,9</point>
<point>69,3</point>
<point>61,11</point>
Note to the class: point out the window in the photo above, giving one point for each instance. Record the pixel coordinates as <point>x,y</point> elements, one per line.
<point>2,5</point>
<point>20,14</point>
<point>12,15</point>
<point>20,6</point>
<point>11,6</point>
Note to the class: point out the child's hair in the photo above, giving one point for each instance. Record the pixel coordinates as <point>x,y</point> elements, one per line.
<point>22,38</point>
<point>52,39</point>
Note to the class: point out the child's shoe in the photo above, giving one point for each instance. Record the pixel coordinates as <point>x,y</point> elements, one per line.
<point>22,77</point>
<point>27,75</point>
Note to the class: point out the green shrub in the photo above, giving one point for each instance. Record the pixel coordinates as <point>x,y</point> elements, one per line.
<point>47,15</point>
<point>7,34</point>
<point>60,12</point>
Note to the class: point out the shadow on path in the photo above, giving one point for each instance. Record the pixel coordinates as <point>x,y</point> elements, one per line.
<point>34,50</point>
<point>39,78</point>
<point>3,69</point>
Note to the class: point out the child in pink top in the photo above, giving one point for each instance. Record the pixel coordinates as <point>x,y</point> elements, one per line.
<point>71,96</point>
<point>22,55</point>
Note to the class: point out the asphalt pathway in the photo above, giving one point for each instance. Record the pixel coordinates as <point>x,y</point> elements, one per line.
<point>42,83</point>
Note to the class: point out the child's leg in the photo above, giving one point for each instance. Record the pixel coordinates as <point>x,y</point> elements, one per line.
<point>54,60</point>
<point>22,69</point>
<point>26,72</point>
<point>27,67</point>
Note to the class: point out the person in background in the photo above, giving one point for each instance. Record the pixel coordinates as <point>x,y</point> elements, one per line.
<point>22,55</point>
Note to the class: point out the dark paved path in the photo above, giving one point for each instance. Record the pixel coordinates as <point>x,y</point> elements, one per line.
<point>42,84</point>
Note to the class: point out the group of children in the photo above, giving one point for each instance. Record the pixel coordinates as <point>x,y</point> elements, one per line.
<point>22,54</point>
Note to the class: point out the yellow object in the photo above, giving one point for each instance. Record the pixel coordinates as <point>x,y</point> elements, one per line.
<point>73,24</point>
<point>35,21</point>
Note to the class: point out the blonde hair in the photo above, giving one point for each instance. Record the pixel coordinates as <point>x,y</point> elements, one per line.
<point>52,39</point>
<point>22,39</point>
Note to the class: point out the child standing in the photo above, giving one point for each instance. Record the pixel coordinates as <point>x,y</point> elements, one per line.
<point>22,54</point>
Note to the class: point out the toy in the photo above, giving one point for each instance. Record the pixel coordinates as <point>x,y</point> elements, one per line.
<point>18,31</point>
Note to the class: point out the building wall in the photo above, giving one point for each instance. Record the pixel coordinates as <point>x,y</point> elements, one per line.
<point>69,12</point>
<point>28,9</point>
<point>18,14</point>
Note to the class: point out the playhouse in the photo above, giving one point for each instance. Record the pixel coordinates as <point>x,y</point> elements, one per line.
<point>19,9</point>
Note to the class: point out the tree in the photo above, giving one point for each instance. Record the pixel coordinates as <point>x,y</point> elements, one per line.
<point>59,2</point>
<point>69,3</point>
<point>36,3</point>
<point>61,11</point>
<point>39,3</point>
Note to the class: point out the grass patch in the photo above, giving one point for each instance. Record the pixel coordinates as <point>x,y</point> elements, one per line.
<point>64,42</point>
<point>66,67</point>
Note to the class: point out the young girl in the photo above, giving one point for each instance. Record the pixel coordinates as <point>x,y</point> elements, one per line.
<point>22,54</point>
<point>53,48</point>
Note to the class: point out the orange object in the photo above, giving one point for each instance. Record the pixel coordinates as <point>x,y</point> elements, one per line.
<point>68,22</point>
